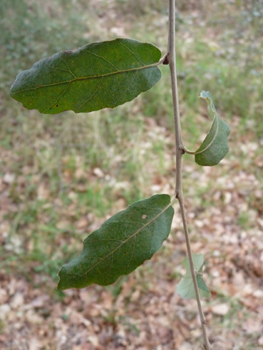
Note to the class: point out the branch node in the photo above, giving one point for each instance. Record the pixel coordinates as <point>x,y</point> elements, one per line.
<point>178,195</point>
<point>182,149</point>
<point>166,59</point>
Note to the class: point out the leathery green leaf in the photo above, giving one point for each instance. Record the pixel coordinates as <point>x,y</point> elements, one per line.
<point>215,146</point>
<point>95,76</point>
<point>185,287</point>
<point>121,244</point>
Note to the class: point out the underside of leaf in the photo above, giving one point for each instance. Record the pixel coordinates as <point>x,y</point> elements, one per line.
<point>95,76</point>
<point>121,244</point>
<point>185,287</point>
<point>215,146</point>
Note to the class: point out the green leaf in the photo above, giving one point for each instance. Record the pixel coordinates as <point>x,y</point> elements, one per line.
<point>214,147</point>
<point>95,76</point>
<point>121,244</point>
<point>185,288</point>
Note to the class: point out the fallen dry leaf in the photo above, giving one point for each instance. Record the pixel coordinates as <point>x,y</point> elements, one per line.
<point>220,309</point>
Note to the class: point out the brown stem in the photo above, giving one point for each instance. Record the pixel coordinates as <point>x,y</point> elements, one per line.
<point>179,152</point>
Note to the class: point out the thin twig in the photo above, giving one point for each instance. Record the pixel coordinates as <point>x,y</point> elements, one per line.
<point>179,152</point>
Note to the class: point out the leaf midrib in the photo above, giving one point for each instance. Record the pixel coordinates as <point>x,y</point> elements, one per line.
<point>89,78</point>
<point>216,119</point>
<point>123,242</point>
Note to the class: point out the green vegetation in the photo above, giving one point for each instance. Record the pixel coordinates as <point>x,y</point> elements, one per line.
<point>61,176</point>
<point>82,162</point>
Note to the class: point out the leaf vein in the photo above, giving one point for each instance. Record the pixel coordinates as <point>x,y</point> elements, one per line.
<point>103,58</point>
<point>68,68</point>
<point>90,77</point>
<point>212,141</point>
<point>132,53</point>
<point>91,97</point>
<point>62,94</point>
<point>130,237</point>
<point>128,88</point>
<point>132,254</point>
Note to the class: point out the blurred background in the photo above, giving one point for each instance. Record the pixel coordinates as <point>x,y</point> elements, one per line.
<point>62,176</point>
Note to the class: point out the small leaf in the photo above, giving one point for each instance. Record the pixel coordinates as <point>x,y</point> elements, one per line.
<point>121,244</point>
<point>95,76</point>
<point>214,147</point>
<point>185,288</point>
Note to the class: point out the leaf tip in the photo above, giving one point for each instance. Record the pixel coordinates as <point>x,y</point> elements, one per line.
<point>205,94</point>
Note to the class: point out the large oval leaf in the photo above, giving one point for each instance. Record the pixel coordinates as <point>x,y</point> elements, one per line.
<point>96,76</point>
<point>215,146</point>
<point>121,244</point>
